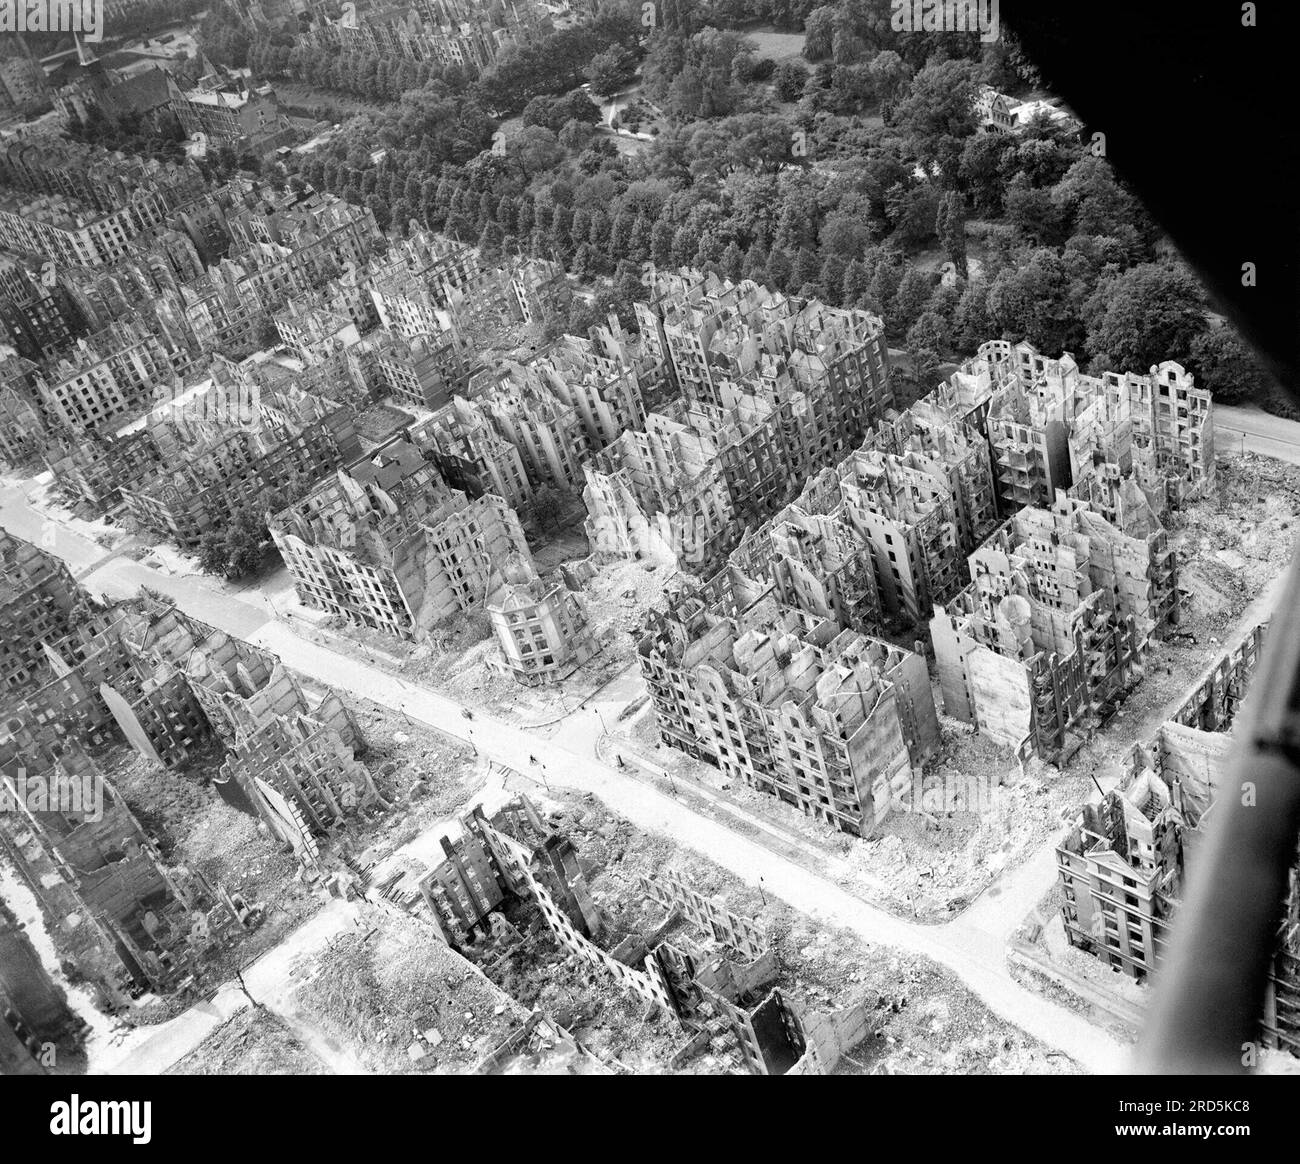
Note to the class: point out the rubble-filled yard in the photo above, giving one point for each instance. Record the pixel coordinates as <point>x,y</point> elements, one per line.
<point>927,1022</point>
<point>1236,541</point>
<point>252,1042</point>
<point>194,827</point>
<point>400,1000</point>
<point>424,775</point>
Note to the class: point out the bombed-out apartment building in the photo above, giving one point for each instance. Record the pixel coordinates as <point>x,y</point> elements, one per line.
<point>23,435</point>
<point>104,376</point>
<point>167,683</point>
<point>386,544</point>
<point>521,426</point>
<point>772,389</point>
<point>39,604</point>
<point>1054,626</point>
<point>221,467</point>
<point>908,517</point>
<point>541,626</point>
<point>828,720</point>
<point>131,922</point>
<point>1051,427</point>
<point>814,562</point>
<point>171,686</point>
<point>1123,866</point>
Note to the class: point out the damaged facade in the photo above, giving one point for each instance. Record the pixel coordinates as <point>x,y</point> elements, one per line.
<point>135,923</point>
<point>1051,427</point>
<point>541,627</point>
<point>521,426</point>
<point>771,390</point>
<point>702,965</point>
<point>172,686</point>
<point>39,604</point>
<point>1054,627</point>
<point>386,544</point>
<point>1123,866</point>
<point>829,721</point>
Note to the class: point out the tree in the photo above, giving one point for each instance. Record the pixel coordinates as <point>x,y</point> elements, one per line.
<point>913,212</point>
<point>609,71</point>
<point>1144,316</point>
<point>732,261</point>
<point>575,135</point>
<point>855,284</point>
<point>789,81</point>
<point>980,171</point>
<point>914,291</point>
<point>1035,300</point>
<point>938,114</point>
<point>889,75</point>
<point>972,325</point>
<point>237,548</point>
<point>661,243</point>
<point>685,243</point>
<point>950,226</point>
<point>1033,212</point>
<point>819,33</point>
<point>1223,363</point>
<point>806,270</point>
<point>779,270</point>
<point>1091,202</point>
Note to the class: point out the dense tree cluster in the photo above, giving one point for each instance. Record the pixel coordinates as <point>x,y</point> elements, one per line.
<point>858,175</point>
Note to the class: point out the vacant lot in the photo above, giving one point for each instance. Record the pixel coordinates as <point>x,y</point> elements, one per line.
<point>777,46</point>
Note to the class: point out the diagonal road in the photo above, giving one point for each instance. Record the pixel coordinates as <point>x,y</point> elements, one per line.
<point>1251,430</point>
<point>974,950</point>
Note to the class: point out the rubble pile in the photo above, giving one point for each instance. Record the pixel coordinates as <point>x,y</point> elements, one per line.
<point>402,1001</point>
<point>253,1042</point>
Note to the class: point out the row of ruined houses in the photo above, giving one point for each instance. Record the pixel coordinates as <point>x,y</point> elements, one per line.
<point>703,966</point>
<point>1017,510</point>
<point>173,688</point>
<point>1124,863</point>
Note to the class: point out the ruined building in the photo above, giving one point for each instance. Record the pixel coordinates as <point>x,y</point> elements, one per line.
<point>227,467</point>
<point>909,505</point>
<point>828,720</point>
<point>702,966</point>
<point>172,686</point>
<point>1051,427</point>
<point>541,627</point>
<point>39,604</point>
<point>1054,626</point>
<point>815,563</point>
<point>386,544</point>
<point>1124,863</point>
<point>772,389</point>
<point>520,426</point>
<point>132,922</point>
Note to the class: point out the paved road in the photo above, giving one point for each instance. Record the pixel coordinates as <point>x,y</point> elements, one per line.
<point>974,952</point>
<point>1252,430</point>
